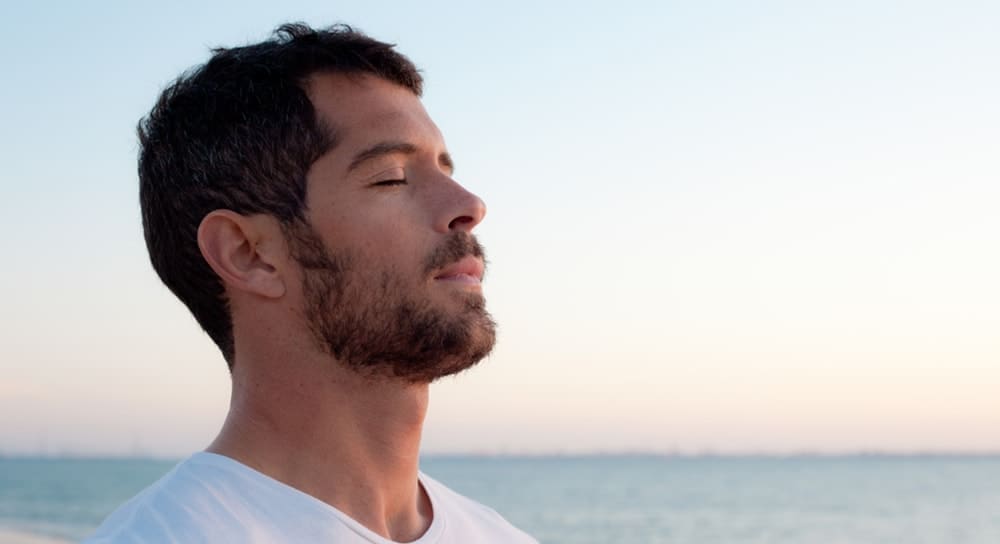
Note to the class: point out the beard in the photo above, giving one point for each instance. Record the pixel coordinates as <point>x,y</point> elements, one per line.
<point>381,325</point>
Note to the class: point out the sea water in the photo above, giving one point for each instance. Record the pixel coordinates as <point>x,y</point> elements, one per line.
<point>611,499</point>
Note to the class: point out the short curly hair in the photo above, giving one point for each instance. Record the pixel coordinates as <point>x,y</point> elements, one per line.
<point>240,133</point>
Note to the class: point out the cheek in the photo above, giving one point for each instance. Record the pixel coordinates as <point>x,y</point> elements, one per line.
<point>394,247</point>
<point>396,224</point>
<point>389,237</point>
<point>392,235</point>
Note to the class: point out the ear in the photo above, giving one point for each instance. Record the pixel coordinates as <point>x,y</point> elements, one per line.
<point>244,251</point>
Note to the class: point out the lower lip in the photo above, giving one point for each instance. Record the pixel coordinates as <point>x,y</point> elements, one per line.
<point>461,279</point>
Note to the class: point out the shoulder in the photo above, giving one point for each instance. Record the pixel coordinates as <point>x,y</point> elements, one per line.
<point>467,520</point>
<point>184,502</point>
<point>210,498</point>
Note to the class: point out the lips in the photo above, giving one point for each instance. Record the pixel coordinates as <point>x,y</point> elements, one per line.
<point>467,270</point>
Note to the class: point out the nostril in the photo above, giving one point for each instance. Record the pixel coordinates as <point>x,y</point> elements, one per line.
<point>461,222</point>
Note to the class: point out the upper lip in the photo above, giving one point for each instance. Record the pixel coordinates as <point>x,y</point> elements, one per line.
<point>470,266</point>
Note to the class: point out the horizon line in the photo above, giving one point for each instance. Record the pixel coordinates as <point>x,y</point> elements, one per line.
<point>472,454</point>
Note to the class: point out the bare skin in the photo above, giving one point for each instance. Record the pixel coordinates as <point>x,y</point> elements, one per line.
<point>359,453</point>
<point>296,414</point>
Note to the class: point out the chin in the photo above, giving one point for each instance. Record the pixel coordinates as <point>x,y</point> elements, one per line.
<point>468,348</point>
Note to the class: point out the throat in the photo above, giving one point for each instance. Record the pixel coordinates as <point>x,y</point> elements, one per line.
<point>349,441</point>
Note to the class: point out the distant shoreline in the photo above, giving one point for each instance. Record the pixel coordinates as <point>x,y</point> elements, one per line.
<point>686,455</point>
<point>10,536</point>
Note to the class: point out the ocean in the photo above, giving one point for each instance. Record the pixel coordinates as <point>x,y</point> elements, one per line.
<point>617,499</point>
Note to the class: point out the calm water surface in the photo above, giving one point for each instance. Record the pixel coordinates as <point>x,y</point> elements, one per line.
<point>583,500</point>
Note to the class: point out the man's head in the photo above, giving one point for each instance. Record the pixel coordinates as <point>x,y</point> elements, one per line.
<point>323,132</point>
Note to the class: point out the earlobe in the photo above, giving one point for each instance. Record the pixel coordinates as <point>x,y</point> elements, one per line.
<point>239,249</point>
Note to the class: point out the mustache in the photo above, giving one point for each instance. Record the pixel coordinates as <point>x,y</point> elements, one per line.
<point>457,246</point>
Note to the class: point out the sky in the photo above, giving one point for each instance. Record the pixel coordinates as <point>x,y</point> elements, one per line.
<point>714,227</point>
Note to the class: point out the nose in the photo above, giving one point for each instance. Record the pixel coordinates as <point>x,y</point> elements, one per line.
<point>464,211</point>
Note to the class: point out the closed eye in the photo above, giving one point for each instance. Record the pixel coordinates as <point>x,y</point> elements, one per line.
<point>389,182</point>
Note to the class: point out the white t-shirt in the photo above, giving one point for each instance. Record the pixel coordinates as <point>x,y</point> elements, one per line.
<point>212,498</point>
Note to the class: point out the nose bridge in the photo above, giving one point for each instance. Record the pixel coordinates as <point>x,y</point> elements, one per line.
<point>459,208</point>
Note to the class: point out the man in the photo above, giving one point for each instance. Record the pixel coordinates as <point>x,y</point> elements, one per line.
<point>299,200</point>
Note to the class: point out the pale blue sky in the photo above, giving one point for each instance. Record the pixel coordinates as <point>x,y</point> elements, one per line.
<point>728,226</point>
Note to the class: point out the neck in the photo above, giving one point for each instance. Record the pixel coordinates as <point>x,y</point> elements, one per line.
<point>350,441</point>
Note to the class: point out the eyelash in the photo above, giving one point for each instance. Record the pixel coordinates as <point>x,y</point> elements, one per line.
<point>390,182</point>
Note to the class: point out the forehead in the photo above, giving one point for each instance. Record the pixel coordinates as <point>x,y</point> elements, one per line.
<point>362,109</point>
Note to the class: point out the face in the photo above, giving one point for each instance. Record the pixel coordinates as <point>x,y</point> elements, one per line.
<point>390,269</point>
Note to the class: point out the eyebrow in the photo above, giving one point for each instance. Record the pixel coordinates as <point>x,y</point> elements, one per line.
<point>382,149</point>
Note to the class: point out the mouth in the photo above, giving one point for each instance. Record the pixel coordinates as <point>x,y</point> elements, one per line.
<point>467,271</point>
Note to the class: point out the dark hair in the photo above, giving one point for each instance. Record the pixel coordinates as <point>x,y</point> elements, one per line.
<point>240,133</point>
